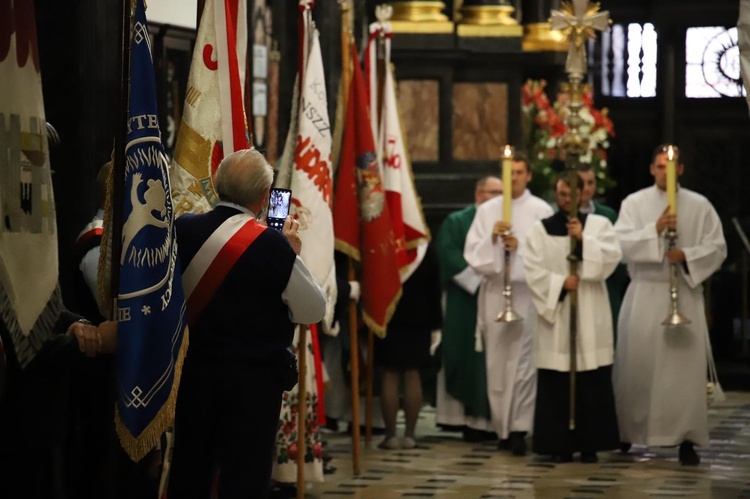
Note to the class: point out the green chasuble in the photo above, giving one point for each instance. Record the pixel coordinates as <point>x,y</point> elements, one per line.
<point>618,281</point>
<point>465,369</point>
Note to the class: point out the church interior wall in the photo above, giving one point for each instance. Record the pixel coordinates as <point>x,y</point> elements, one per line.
<point>79,51</point>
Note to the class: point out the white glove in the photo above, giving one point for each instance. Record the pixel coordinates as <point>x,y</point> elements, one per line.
<point>335,329</point>
<point>436,338</point>
<point>354,291</point>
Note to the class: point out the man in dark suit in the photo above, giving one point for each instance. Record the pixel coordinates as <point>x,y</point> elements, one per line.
<point>246,287</point>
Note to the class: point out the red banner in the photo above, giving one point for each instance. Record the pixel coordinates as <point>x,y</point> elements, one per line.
<point>361,220</point>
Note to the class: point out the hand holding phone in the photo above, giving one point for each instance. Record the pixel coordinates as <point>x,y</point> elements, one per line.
<point>278,207</point>
<point>291,226</point>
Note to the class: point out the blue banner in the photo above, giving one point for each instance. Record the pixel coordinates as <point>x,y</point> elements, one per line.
<point>151,339</point>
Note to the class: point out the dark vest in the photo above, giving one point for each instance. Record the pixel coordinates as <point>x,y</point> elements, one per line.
<point>246,319</point>
<point>87,305</point>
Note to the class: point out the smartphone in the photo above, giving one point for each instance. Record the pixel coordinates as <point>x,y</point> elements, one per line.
<point>278,207</point>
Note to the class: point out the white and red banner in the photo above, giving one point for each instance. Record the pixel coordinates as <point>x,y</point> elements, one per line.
<point>409,226</point>
<point>307,170</point>
<point>213,122</point>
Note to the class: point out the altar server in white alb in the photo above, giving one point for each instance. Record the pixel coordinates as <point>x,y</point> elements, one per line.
<point>511,376</point>
<point>660,371</point>
<point>548,276</point>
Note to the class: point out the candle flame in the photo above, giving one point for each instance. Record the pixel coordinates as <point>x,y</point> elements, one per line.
<point>670,153</point>
<point>508,152</point>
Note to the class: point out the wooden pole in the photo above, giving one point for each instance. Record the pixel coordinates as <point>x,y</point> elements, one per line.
<point>118,163</point>
<point>380,69</point>
<point>370,376</point>
<point>745,313</point>
<point>301,410</point>
<point>302,344</point>
<point>354,366</point>
<point>573,323</point>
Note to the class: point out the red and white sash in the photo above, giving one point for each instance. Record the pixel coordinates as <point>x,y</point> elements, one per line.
<point>93,229</point>
<point>213,261</point>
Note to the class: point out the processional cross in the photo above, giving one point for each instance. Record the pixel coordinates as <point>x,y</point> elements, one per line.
<point>579,21</point>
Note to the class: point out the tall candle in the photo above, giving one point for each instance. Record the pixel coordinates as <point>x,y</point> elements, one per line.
<point>507,182</point>
<point>672,180</point>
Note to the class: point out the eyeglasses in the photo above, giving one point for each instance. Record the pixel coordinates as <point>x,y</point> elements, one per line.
<point>494,192</point>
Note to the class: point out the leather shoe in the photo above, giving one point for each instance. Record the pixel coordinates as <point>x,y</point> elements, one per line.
<point>503,444</point>
<point>625,447</point>
<point>688,456</point>
<point>518,443</point>
<point>589,457</point>
<point>562,458</point>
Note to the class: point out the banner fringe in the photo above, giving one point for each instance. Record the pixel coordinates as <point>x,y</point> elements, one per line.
<point>382,330</point>
<point>28,345</point>
<point>138,447</point>
<point>347,249</point>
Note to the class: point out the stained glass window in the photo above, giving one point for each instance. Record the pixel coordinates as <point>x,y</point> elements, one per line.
<point>712,63</point>
<point>628,60</point>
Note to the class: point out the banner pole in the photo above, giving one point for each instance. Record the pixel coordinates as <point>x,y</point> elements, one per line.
<point>301,410</point>
<point>354,365</point>
<point>370,376</point>
<point>118,163</point>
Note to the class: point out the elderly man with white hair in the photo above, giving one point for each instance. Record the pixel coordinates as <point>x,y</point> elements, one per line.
<point>246,287</point>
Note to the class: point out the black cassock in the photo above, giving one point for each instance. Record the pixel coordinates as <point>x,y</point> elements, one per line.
<point>596,420</point>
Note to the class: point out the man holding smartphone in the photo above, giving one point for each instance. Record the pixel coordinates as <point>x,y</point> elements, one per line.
<point>246,287</point>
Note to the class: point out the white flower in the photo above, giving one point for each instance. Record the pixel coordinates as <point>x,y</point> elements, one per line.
<point>586,115</point>
<point>603,163</point>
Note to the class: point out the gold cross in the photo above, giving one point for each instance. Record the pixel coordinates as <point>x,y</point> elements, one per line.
<point>579,21</point>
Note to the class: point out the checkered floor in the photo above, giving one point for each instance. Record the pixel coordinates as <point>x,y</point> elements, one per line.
<point>445,466</point>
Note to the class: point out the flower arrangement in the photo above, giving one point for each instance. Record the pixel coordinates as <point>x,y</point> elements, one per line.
<point>544,126</point>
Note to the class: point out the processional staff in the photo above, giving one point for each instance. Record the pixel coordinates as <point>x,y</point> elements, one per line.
<point>579,21</point>
<point>347,28</point>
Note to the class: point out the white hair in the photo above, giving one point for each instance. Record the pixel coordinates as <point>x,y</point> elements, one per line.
<point>243,177</point>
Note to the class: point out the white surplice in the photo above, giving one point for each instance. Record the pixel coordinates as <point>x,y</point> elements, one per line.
<point>511,375</point>
<point>660,371</point>
<point>547,266</point>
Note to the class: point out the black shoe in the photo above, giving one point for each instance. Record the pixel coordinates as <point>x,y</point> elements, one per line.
<point>562,458</point>
<point>332,423</point>
<point>471,435</point>
<point>688,456</point>
<point>518,443</point>
<point>283,491</point>
<point>625,447</point>
<point>503,444</point>
<point>589,457</point>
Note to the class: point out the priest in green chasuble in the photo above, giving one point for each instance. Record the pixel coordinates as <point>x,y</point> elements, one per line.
<point>462,386</point>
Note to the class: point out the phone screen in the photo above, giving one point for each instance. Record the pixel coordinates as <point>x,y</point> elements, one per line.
<point>278,207</point>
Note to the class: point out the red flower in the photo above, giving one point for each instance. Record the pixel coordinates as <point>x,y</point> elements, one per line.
<point>557,127</point>
<point>588,99</point>
<point>312,426</point>
<point>317,450</point>
<point>292,451</point>
<point>533,93</point>
<point>288,427</point>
